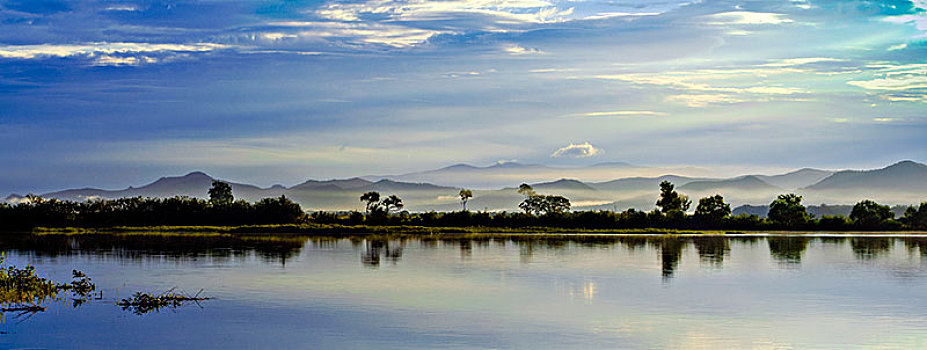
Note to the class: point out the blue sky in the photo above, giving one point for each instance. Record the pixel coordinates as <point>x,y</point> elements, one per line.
<point>113,93</point>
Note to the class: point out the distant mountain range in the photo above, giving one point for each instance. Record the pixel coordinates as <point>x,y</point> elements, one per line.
<point>901,183</point>
<point>508,173</point>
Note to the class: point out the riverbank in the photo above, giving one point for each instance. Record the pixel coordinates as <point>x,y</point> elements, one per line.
<point>341,230</point>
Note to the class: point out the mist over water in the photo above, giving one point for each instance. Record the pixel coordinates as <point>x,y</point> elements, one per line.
<point>512,292</point>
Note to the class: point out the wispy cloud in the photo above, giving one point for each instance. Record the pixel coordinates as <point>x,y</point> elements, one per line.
<point>103,51</point>
<point>747,18</point>
<point>624,114</point>
<point>896,78</point>
<point>518,50</point>
<point>504,12</point>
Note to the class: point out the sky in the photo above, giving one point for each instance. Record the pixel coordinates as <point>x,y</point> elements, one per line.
<point>117,93</point>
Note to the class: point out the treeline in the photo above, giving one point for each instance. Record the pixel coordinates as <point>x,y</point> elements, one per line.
<point>220,210</point>
<point>711,213</point>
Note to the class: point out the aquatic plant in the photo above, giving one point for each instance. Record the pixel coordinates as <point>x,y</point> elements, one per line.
<point>21,290</point>
<point>143,303</point>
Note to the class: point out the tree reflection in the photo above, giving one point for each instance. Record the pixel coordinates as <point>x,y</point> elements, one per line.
<point>220,248</point>
<point>466,249</point>
<point>787,249</point>
<point>712,249</point>
<point>868,248</point>
<point>377,249</point>
<point>670,254</point>
<point>919,243</point>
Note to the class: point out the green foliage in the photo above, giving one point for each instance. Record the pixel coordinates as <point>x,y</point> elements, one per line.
<point>787,211</point>
<point>21,287</point>
<point>374,205</point>
<point>22,290</point>
<point>220,194</point>
<point>833,223</point>
<point>545,204</point>
<point>916,217</point>
<point>670,200</point>
<point>138,211</point>
<point>870,215</point>
<point>712,209</point>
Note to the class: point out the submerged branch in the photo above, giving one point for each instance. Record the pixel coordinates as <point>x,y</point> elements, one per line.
<point>142,303</point>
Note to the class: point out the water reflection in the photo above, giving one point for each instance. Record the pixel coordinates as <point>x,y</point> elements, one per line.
<point>916,243</point>
<point>375,249</point>
<point>871,247</point>
<point>518,291</point>
<point>178,246</point>
<point>712,251</point>
<point>670,252</point>
<point>788,249</point>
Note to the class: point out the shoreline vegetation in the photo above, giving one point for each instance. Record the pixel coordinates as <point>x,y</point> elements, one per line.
<point>542,214</point>
<point>336,231</point>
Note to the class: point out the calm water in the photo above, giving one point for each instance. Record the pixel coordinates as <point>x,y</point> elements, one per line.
<point>615,292</point>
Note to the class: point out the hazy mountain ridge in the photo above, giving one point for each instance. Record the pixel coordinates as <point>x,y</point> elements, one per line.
<point>504,174</point>
<point>907,180</point>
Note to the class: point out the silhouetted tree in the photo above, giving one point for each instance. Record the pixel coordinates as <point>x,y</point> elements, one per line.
<point>392,202</point>
<point>525,190</point>
<point>465,196</point>
<point>869,214</point>
<point>540,204</point>
<point>371,200</point>
<point>916,217</point>
<point>220,194</point>
<point>711,210</point>
<point>670,200</point>
<point>787,210</point>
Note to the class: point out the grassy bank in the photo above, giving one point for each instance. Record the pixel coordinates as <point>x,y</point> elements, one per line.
<point>329,230</point>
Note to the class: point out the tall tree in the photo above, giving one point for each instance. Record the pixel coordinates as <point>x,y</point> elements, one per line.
<point>916,217</point>
<point>220,194</point>
<point>670,200</point>
<point>711,210</point>
<point>540,204</point>
<point>869,214</point>
<point>525,190</point>
<point>371,200</point>
<point>392,202</point>
<point>465,196</point>
<point>787,210</point>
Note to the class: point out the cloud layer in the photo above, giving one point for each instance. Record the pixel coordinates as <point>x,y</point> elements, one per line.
<point>284,90</point>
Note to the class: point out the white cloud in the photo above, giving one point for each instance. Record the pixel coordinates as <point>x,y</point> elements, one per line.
<point>774,90</point>
<point>573,150</point>
<point>624,114</point>
<point>94,49</point>
<point>896,78</point>
<point>520,50</point>
<point>106,60</point>
<point>703,100</point>
<point>392,35</point>
<point>123,7</point>
<point>747,17</point>
<point>791,62</point>
<point>606,15</point>
<point>901,46</point>
<point>505,12</point>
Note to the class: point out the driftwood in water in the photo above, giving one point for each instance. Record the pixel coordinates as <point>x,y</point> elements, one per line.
<point>143,303</point>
